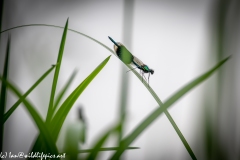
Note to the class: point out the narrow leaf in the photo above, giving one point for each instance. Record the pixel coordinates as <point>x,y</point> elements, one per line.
<point>3,95</point>
<point>155,114</point>
<point>55,78</point>
<point>63,91</point>
<point>62,113</point>
<point>12,109</point>
<point>99,143</point>
<point>51,146</point>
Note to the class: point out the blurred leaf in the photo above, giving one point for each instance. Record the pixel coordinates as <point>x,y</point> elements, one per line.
<point>63,91</point>
<point>59,117</point>
<point>101,141</point>
<point>105,149</point>
<point>55,78</point>
<point>12,109</point>
<point>98,145</point>
<point>155,114</point>
<point>3,95</point>
<point>82,121</point>
<point>50,144</point>
<point>38,145</point>
<point>72,140</point>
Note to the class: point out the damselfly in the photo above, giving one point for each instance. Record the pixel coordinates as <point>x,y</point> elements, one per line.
<point>127,58</point>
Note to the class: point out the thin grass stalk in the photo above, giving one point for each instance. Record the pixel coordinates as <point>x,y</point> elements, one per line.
<point>3,96</point>
<point>127,38</point>
<point>219,23</point>
<point>63,90</point>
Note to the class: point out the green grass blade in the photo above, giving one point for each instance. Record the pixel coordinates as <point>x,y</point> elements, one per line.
<point>43,129</point>
<point>62,113</point>
<point>155,114</point>
<point>73,138</point>
<point>101,141</point>
<point>12,109</point>
<point>184,141</point>
<point>38,145</point>
<point>98,145</point>
<point>3,95</point>
<point>63,91</point>
<point>105,149</point>
<point>55,78</point>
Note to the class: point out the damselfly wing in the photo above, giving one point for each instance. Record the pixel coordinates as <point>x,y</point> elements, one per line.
<point>122,52</point>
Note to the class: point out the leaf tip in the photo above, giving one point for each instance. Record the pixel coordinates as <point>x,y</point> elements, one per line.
<point>228,57</point>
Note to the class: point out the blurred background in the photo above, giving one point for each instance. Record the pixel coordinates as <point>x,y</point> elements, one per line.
<point>179,39</point>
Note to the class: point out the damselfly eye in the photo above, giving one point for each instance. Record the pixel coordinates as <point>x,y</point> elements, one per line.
<point>152,71</point>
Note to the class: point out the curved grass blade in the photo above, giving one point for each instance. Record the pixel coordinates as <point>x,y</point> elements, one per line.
<point>64,89</point>
<point>184,141</point>
<point>50,144</point>
<point>12,109</point>
<point>62,113</point>
<point>155,114</point>
<point>101,141</point>
<point>3,95</point>
<point>47,25</point>
<point>55,78</point>
<point>135,72</point>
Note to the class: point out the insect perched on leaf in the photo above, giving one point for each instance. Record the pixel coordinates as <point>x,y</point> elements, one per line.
<point>127,58</point>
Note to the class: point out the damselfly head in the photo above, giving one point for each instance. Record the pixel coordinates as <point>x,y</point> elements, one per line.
<point>147,69</point>
<point>151,71</point>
